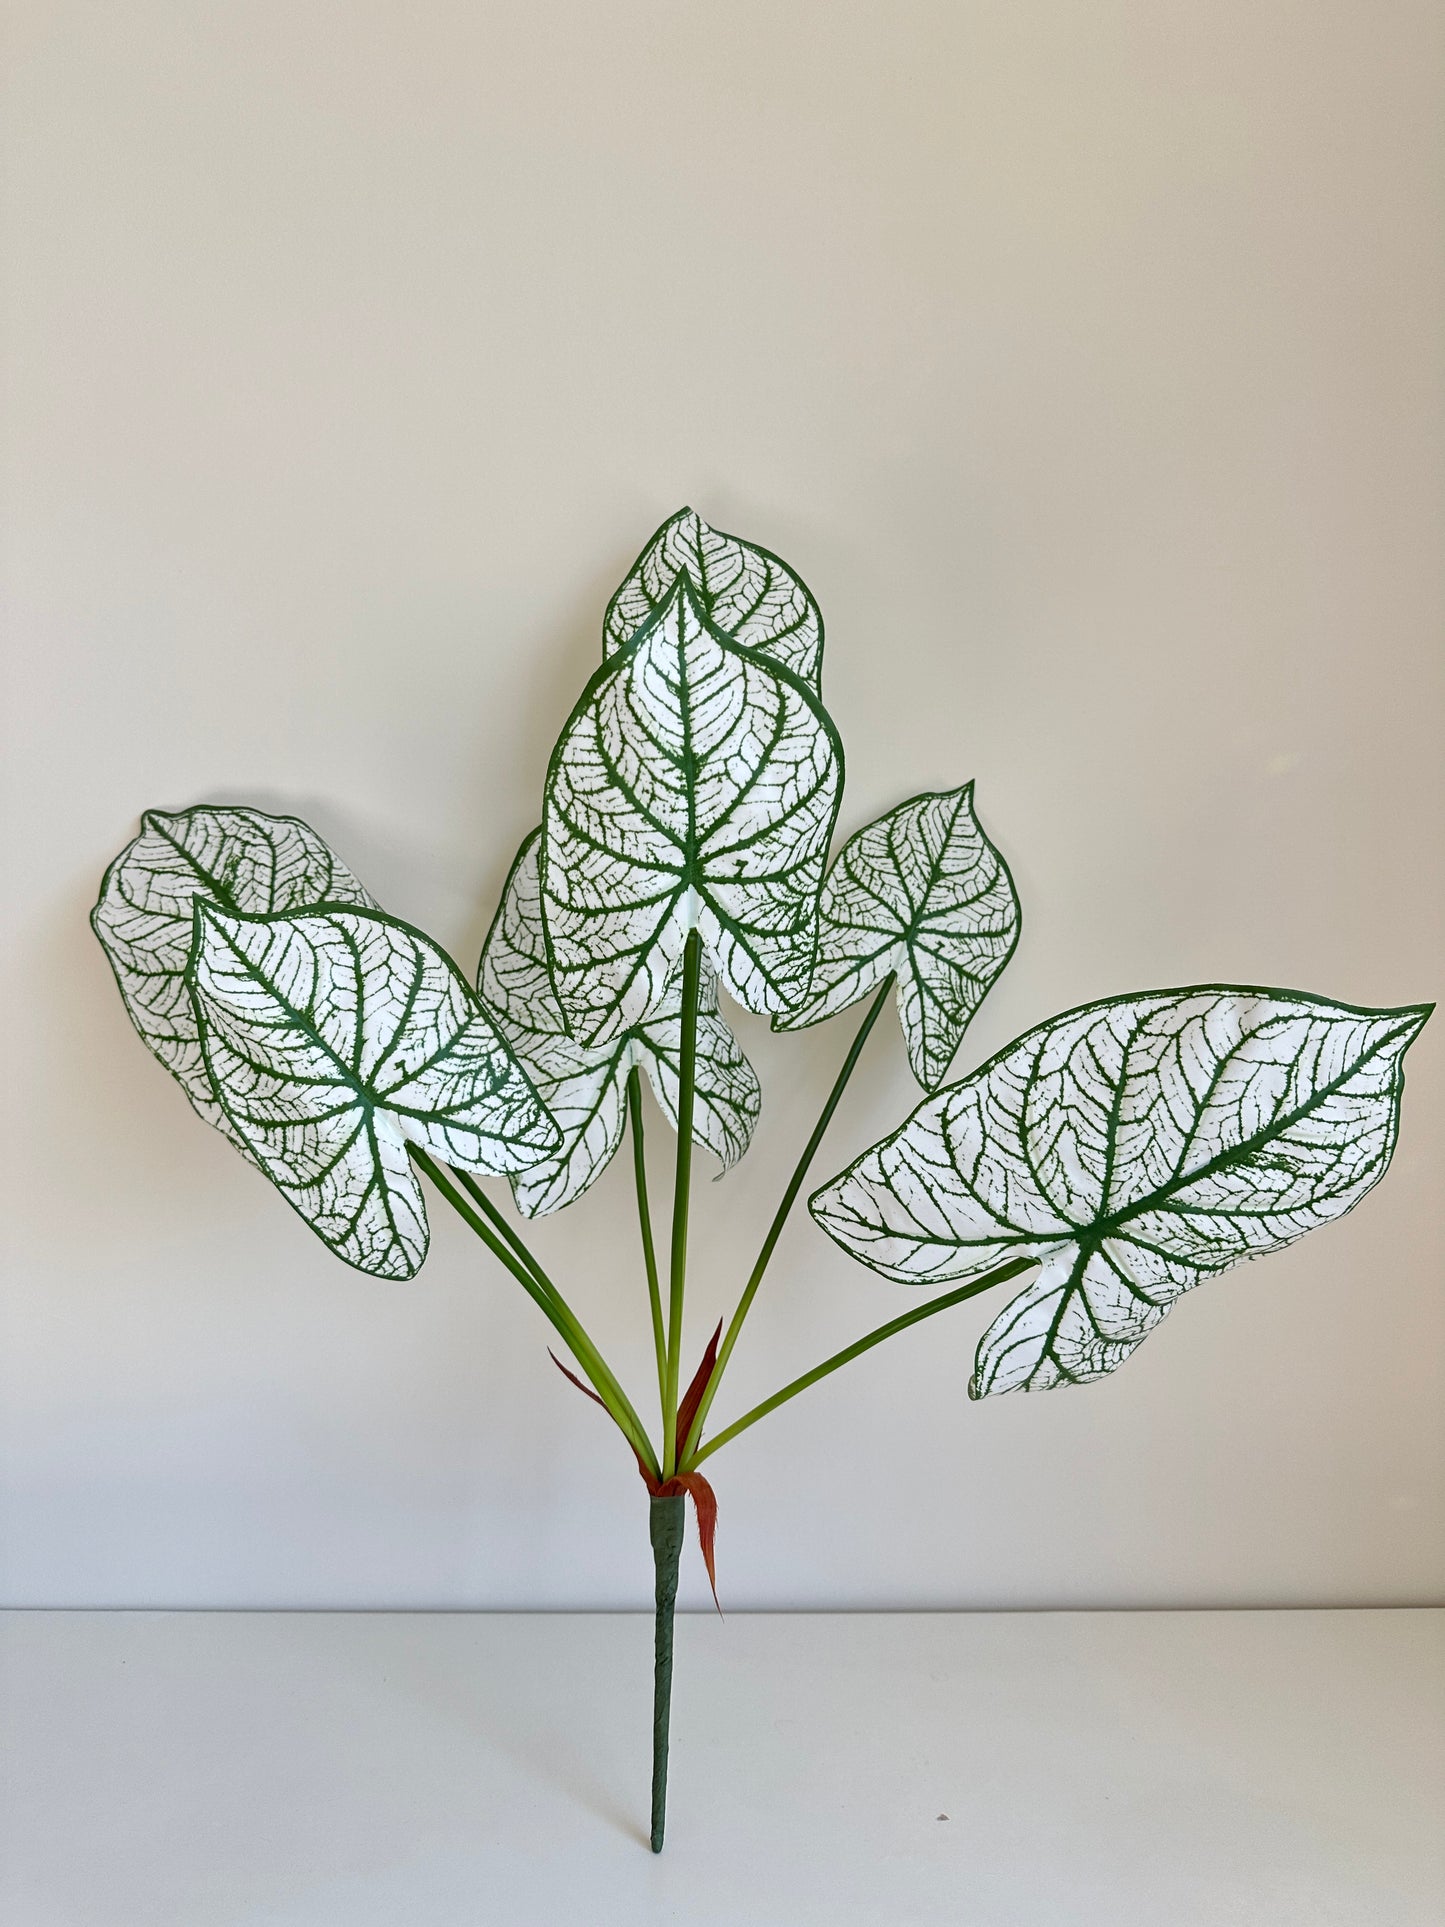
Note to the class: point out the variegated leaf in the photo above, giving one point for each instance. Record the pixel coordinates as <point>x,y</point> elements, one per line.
<point>585,1087</point>
<point>696,783</point>
<point>244,861</point>
<point>331,1039</point>
<point>1135,1147</point>
<point>727,1096</point>
<point>746,592</point>
<point>924,894</point>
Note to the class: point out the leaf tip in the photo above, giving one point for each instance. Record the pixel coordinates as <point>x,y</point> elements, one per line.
<point>1410,1020</point>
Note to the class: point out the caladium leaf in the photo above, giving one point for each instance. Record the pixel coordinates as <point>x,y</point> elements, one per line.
<point>726,1096</point>
<point>924,894</point>
<point>696,783</point>
<point>746,592</point>
<point>1135,1147</point>
<point>585,1087</point>
<point>244,861</point>
<point>331,1038</point>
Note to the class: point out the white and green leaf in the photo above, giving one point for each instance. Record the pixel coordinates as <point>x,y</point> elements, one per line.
<point>696,784</point>
<point>585,1087</point>
<point>726,1096</point>
<point>334,1037</point>
<point>924,895</point>
<point>746,592</point>
<point>242,860</point>
<point>1134,1147</point>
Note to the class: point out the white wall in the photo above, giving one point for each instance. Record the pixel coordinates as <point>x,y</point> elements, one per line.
<point>1085,358</point>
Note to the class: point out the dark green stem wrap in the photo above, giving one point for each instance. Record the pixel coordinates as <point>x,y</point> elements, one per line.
<point>666,1527</point>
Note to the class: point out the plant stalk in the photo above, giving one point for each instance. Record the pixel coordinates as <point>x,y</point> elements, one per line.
<point>775,1229</point>
<point>665,1525</point>
<point>858,1347</point>
<point>545,1295</point>
<point>677,1277</point>
<point>644,1220</point>
<point>504,1230</point>
<point>527,1257</point>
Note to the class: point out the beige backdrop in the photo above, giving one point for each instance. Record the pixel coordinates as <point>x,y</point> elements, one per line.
<point>1086,359</point>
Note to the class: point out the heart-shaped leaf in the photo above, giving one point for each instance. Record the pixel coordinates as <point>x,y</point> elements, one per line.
<point>1135,1147</point>
<point>333,1037</point>
<point>247,863</point>
<point>924,894</point>
<point>746,592</point>
<point>696,783</point>
<point>585,1087</point>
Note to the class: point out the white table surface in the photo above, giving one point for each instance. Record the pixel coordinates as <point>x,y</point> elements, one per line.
<point>345,1770</point>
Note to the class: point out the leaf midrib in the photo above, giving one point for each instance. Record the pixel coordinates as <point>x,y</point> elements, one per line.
<point>368,1094</point>
<point>1099,1228</point>
<point>1248,1146</point>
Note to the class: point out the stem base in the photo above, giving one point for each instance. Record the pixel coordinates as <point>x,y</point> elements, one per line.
<point>665,1525</point>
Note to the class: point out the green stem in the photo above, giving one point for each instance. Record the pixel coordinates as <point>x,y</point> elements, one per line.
<point>644,1219</point>
<point>665,1524</point>
<point>677,1277</point>
<point>539,1287</point>
<point>775,1229</point>
<point>861,1345</point>
<point>504,1230</point>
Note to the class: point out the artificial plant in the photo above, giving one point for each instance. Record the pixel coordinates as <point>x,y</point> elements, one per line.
<point>1121,1152</point>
